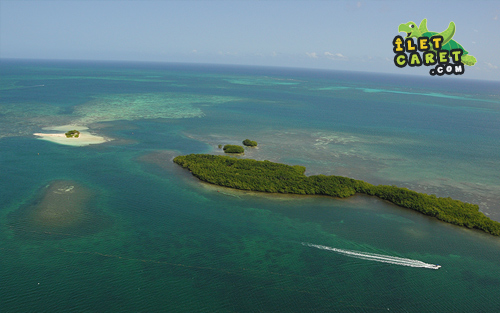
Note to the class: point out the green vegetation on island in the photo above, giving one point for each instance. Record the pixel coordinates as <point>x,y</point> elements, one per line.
<point>266,176</point>
<point>233,149</point>
<point>250,143</point>
<point>72,133</point>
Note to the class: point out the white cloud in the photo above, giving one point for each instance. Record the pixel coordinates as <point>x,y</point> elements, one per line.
<point>335,56</point>
<point>227,53</point>
<point>194,51</point>
<point>274,54</point>
<point>358,4</point>
<point>313,55</point>
<point>495,18</point>
<point>491,65</point>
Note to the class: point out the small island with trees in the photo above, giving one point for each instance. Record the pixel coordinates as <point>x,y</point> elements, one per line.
<point>72,134</point>
<point>233,149</point>
<point>249,143</point>
<point>266,176</point>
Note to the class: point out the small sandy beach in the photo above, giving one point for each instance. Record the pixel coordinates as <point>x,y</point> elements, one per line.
<point>57,135</point>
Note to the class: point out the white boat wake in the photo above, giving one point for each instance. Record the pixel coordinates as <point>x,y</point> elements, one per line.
<point>377,257</point>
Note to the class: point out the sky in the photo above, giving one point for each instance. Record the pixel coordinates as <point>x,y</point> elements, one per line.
<point>337,35</point>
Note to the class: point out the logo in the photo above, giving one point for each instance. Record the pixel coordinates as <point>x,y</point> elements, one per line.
<point>431,49</point>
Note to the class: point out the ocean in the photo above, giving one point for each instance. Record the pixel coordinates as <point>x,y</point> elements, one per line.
<point>118,227</point>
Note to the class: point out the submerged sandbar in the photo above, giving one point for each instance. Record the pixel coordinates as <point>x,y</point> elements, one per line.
<point>62,206</point>
<point>57,135</point>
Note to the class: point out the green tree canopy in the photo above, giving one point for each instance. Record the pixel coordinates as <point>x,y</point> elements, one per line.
<point>250,143</point>
<point>233,149</point>
<point>273,177</point>
<point>72,133</point>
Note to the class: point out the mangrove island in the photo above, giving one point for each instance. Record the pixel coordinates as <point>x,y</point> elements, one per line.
<point>266,176</point>
<point>233,149</point>
<point>249,143</point>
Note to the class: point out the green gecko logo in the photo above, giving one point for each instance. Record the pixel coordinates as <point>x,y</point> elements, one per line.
<point>436,48</point>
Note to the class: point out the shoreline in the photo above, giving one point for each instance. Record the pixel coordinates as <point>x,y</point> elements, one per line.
<point>266,176</point>
<point>85,138</point>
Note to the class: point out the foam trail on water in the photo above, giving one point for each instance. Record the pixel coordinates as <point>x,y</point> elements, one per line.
<point>376,257</point>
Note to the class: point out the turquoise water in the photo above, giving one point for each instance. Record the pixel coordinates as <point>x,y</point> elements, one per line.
<point>163,241</point>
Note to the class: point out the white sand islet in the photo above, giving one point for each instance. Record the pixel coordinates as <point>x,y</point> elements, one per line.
<point>84,139</point>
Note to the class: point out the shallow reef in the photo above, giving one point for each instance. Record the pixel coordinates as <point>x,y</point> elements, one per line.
<point>59,209</point>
